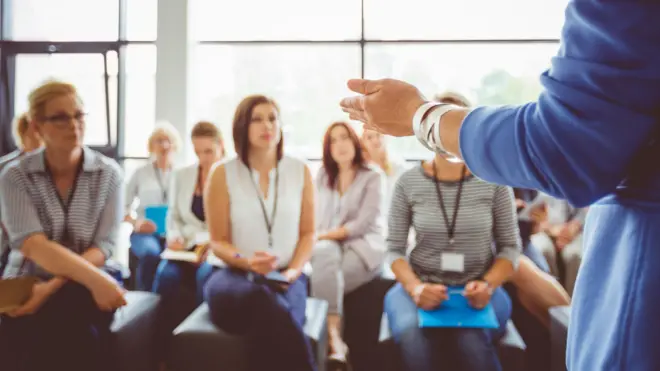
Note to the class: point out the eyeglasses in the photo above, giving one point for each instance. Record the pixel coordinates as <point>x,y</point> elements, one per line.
<point>63,119</point>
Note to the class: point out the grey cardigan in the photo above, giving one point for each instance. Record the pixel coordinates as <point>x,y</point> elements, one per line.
<point>360,211</point>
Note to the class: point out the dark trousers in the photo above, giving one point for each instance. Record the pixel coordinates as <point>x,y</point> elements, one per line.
<point>273,321</point>
<point>464,349</point>
<point>68,332</point>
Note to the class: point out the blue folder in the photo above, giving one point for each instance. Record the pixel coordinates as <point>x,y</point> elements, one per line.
<point>457,312</point>
<point>158,215</point>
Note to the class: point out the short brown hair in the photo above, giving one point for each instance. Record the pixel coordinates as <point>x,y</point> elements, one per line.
<point>206,129</point>
<point>329,164</point>
<point>242,121</point>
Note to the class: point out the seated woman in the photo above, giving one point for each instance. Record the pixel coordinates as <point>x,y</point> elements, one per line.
<point>186,222</point>
<point>376,152</point>
<point>350,248</point>
<point>149,186</point>
<point>61,208</point>
<point>456,218</point>
<point>27,140</point>
<point>262,222</point>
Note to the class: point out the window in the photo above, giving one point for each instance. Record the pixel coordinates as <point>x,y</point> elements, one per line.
<point>141,20</point>
<point>89,39</point>
<point>85,71</point>
<point>275,20</point>
<point>140,98</point>
<point>463,20</point>
<point>302,52</point>
<point>307,81</point>
<point>64,20</point>
<point>485,73</point>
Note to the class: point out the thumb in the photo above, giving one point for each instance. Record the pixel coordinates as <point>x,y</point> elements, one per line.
<point>363,86</point>
<point>470,286</point>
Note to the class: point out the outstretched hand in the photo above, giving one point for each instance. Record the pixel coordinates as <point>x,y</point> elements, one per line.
<point>386,106</point>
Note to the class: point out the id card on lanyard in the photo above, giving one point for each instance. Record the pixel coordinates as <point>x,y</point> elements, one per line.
<point>269,221</point>
<point>161,184</point>
<point>450,261</point>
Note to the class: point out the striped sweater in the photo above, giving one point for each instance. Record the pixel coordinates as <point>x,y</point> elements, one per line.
<point>486,226</point>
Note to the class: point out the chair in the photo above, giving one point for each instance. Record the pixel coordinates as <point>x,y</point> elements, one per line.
<point>198,345</point>
<point>362,314</point>
<point>559,319</point>
<point>511,349</point>
<point>133,330</point>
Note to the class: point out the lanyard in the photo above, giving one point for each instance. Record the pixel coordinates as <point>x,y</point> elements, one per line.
<point>161,183</point>
<point>65,204</point>
<point>269,221</point>
<point>451,227</point>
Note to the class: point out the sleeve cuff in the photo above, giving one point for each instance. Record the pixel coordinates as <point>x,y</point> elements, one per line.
<point>392,256</point>
<point>510,254</point>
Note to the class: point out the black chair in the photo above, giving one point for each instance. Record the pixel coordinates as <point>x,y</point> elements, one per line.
<point>559,319</point>
<point>199,345</point>
<point>362,313</point>
<point>511,349</point>
<point>134,331</point>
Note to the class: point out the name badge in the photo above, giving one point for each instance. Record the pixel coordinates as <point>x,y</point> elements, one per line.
<point>452,262</point>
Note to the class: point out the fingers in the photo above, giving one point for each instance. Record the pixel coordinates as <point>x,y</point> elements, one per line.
<point>353,103</point>
<point>363,86</point>
<point>470,288</point>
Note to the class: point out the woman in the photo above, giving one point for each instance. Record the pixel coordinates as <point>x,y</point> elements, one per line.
<point>27,140</point>
<point>350,247</point>
<point>186,220</point>
<point>61,208</point>
<point>455,250</point>
<point>591,138</point>
<point>149,186</point>
<point>376,152</point>
<point>261,220</point>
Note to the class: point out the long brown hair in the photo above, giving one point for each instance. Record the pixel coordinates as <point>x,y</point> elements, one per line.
<point>329,164</point>
<point>242,121</point>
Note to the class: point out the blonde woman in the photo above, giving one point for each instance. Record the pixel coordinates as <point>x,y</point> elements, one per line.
<point>375,151</point>
<point>149,186</point>
<point>61,208</point>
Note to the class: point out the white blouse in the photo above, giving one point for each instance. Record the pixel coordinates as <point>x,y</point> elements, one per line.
<point>249,229</point>
<point>148,186</point>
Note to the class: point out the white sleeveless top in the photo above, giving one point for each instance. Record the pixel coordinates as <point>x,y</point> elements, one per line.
<point>249,231</point>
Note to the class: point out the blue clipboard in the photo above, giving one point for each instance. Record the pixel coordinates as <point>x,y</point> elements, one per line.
<point>456,312</point>
<point>158,215</point>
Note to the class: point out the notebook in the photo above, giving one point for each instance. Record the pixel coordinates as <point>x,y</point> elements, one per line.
<point>158,215</point>
<point>456,312</point>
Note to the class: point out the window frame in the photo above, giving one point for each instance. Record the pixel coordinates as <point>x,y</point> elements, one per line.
<point>363,41</point>
<point>10,48</point>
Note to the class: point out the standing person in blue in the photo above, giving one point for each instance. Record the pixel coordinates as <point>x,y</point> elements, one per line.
<point>591,137</point>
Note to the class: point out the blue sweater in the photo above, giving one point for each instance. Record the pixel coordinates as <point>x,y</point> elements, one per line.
<point>593,136</point>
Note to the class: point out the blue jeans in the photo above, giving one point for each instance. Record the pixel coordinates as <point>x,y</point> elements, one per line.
<point>272,321</point>
<point>444,349</point>
<point>147,248</point>
<point>172,276</point>
<point>536,256</point>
